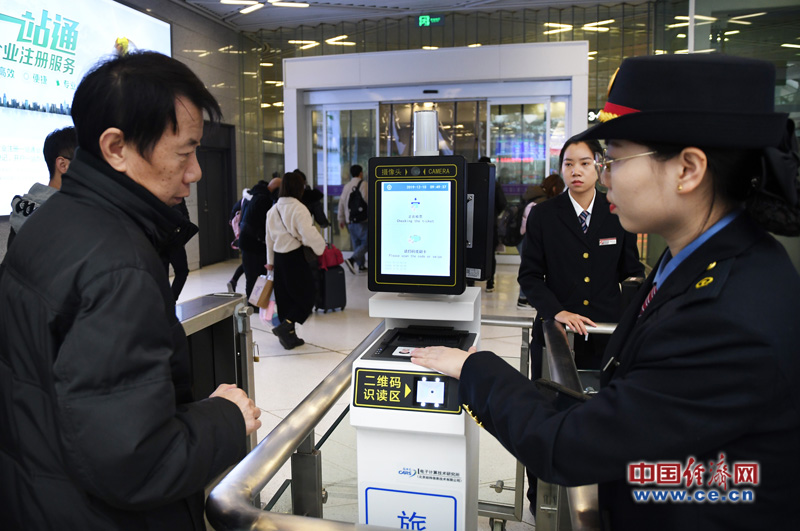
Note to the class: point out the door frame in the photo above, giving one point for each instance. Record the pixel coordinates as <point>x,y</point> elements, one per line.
<point>361,106</point>
<point>222,138</point>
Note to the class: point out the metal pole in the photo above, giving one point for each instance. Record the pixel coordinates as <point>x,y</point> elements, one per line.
<point>690,29</point>
<point>307,479</point>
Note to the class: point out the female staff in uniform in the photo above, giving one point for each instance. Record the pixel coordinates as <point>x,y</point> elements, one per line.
<point>702,372</point>
<point>575,257</point>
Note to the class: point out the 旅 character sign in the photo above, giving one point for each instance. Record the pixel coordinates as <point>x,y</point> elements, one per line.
<point>415,522</point>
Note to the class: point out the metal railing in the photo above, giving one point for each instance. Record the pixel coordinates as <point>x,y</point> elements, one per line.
<point>231,506</point>
<point>583,507</point>
<point>503,511</point>
<point>207,310</point>
<point>601,328</point>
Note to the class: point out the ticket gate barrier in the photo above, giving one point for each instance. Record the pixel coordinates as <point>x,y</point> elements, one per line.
<point>417,447</point>
<point>217,328</point>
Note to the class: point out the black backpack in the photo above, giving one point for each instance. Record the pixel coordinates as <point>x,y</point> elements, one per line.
<point>357,206</point>
<point>509,223</point>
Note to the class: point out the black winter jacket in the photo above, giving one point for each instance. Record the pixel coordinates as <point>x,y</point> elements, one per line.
<point>564,269</point>
<point>254,220</point>
<point>99,430</point>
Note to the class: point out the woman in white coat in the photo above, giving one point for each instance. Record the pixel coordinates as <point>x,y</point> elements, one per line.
<point>289,228</point>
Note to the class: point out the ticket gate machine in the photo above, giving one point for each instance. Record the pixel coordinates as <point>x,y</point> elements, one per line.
<point>417,448</point>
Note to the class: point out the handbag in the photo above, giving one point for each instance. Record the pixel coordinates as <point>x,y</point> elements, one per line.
<point>309,254</point>
<point>330,257</point>
<point>262,291</point>
<point>265,314</point>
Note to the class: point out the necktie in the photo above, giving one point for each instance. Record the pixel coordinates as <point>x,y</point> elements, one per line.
<point>649,298</point>
<point>582,217</point>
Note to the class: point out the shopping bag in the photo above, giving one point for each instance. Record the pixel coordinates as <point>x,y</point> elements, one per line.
<point>330,257</point>
<point>265,314</point>
<point>261,291</point>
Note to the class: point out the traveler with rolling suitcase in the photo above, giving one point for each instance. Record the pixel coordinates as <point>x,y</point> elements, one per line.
<point>289,231</point>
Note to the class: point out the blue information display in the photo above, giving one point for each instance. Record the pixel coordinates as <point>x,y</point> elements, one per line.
<point>416,228</point>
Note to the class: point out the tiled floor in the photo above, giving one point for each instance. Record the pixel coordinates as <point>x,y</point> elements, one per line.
<point>283,378</point>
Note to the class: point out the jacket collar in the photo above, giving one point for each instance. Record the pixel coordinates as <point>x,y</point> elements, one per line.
<point>91,178</point>
<point>712,259</point>
<point>566,213</point>
<point>739,235</point>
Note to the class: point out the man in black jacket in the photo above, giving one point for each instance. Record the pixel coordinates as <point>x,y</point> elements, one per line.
<point>253,228</point>
<point>58,151</point>
<point>99,426</point>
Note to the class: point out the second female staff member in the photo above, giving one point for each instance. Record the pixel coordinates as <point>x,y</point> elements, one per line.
<point>703,370</point>
<point>289,227</point>
<point>575,256</point>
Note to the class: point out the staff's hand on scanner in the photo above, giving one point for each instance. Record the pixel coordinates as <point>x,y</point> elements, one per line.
<point>447,361</point>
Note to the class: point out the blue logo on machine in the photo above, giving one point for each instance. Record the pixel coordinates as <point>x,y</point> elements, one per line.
<point>406,471</point>
<point>415,522</point>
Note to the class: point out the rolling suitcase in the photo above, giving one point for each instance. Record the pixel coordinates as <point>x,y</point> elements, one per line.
<point>329,280</point>
<point>331,292</point>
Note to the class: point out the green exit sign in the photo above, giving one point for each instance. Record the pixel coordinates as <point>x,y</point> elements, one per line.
<point>431,20</point>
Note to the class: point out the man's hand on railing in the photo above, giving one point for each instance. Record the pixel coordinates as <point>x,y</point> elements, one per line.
<point>447,361</point>
<point>575,321</point>
<point>248,408</point>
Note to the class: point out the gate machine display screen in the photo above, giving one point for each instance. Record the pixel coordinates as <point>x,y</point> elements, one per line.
<point>417,224</point>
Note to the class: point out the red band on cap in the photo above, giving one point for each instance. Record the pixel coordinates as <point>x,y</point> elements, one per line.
<point>619,110</point>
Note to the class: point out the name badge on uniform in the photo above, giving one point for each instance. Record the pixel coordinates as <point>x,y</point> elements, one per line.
<point>607,241</point>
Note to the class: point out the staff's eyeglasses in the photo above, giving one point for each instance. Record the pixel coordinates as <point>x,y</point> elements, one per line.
<point>603,162</point>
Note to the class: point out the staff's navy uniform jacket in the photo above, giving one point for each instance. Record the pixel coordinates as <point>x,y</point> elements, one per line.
<point>97,425</point>
<point>711,367</point>
<point>564,269</point>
